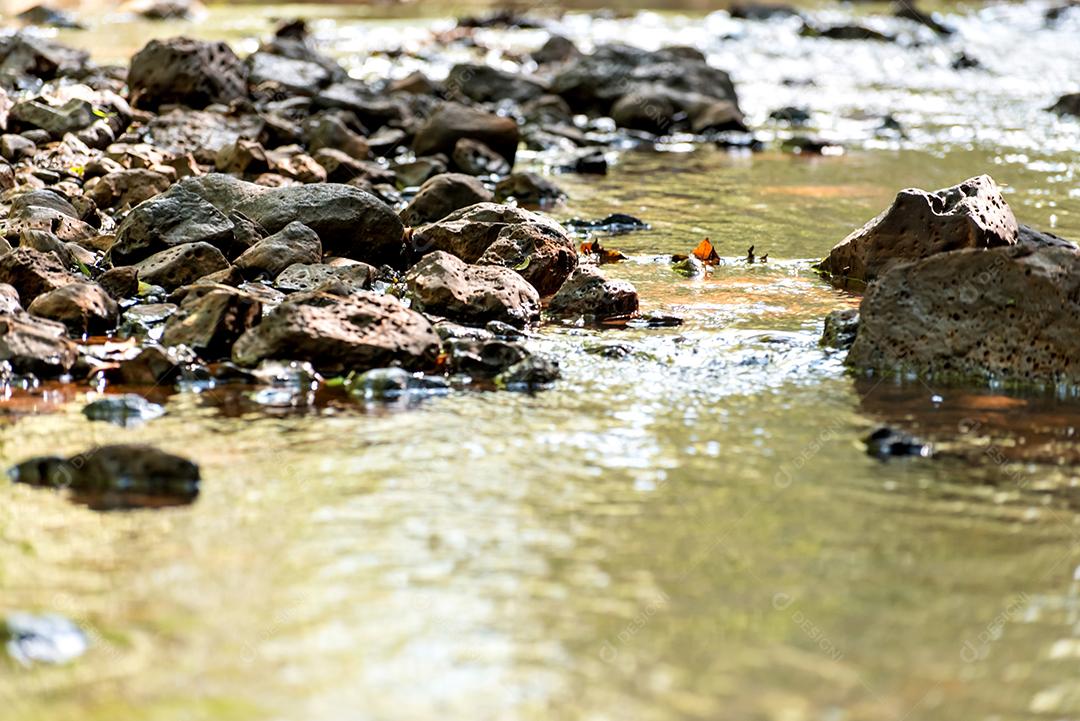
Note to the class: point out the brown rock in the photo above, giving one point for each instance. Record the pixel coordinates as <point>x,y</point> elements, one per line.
<point>587,293</point>
<point>83,308</point>
<point>126,188</point>
<point>452,122</point>
<point>295,243</point>
<point>33,273</point>
<point>34,345</point>
<point>444,285</point>
<point>920,224</point>
<point>442,195</point>
<point>181,265</point>
<point>210,323</point>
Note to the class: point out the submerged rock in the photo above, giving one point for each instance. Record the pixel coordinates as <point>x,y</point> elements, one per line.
<point>47,638</point>
<point>116,476</point>
<point>445,285</point>
<point>335,334</point>
<point>919,224</point>
<point>885,443</point>
<point>587,293</point>
<point>393,383</point>
<point>1009,313</point>
<point>532,373</point>
<point>125,410</point>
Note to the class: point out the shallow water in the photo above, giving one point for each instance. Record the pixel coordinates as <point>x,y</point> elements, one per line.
<point>692,530</point>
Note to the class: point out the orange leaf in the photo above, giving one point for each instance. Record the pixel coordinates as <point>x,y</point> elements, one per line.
<point>706,253</point>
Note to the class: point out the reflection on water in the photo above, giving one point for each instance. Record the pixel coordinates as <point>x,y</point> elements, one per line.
<point>687,527</point>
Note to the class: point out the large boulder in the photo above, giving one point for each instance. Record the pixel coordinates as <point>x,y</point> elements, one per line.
<point>181,265</point>
<point>443,285</point>
<point>187,72</point>
<point>33,273</point>
<point>442,195</point>
<point>295,243</point>
<point>490,234</point>
<point>920,224</point>
<point>1008,313</point>
<point>362,331</point>
<point>209,323</point>
<point>83,308</point>
<point>587,293</point>
<point>35,345</point>
<point>451,122</point>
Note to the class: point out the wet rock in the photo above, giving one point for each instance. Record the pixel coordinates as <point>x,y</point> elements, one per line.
<point>417,172</point>
<point>16,148</point>
<point>919,224</point>
<point>373,109</point>
<point>168,9</point>
<point>23,54</point>
<point>593,83</point>
<point>790,114</point>
<point>120,283</point>
<point>482,358</point>
<point>210,323</point>
<point>47,638</point>
<point>761,11</point>
<point>532,373</point>
<point>885,443</point>
<point>528,189</point>
<point>172,219</point>
<point>126,188</point>
<point>56,120</point>
<point>295,243</point>
<point>334,334</point>
<point>201,133</point>
<point>152,366</point>
<point>475,158</point>
<point>613,224</point>
<point>141,320</point>
<point>588,294</point>
<point>340,167</point>
<point>294,76</point>
<point>556,49</point>
<point>83,308</point>
<point>486,84</point>
<point>393,383</point>
<point>451,122</point>
<point>841,327</point>
<point>187,72</point>
<point>68,254</point>
<point>590,163</point>
<point>125,410</point>
<point>1067,105</point>
<point>442,195</point>
<point>845,32</point>
<point>303,277</point>
<point>181,265</point>
<point>33,273</point>
<point>35,345</point>
<point>444,285</point>
<point>489,234</point>
<point>116,476</point>
<point>1010,313</point>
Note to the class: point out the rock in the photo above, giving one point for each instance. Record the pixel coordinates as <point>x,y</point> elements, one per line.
<point>532,373</point>
<point>442,195</point>
<point>334,334</point>
<point>116,476</point>
<point>761,11</point>
<point>482,359</point>
<point>592,162</point>
<point>845,32</point>
<point>419,171</point>
<point>201,133</point>
<point>172,219</point>
<point>556,49</point>
<point>415,83</point>
<point>593,83</point>
<point>490,234</point>
<point>307,277</point>
<point>295,243</point>
<point>210,323</point>
<point>153,366</point>
<point>486,84</point>
<point>791,114</point>
<point>1067,105</point>
<point>37,346</point>
<point>885,443</point>
<point>23,54</point>
<point>451,122</point>
<point>45,242</point>
<point>47,638</point>
<point>33,273</point>
<point>841,327</point>
<point>45,16</point>
<point>168,9</point>
<point>343,168</point>
<point>242,157</point>
<point>648,109</point>
<point>140,320</point>
<point>1009,313</point>
<point>9,300</point>
<point>83,308</point>
<point>181,265</point>
<point>919,224</point>
<point>120,283</point>
<point>910,12</point>
<point>475,158</point>
<point>56,120</point>
<point>295,76</point>
<point>613,224</point>
<point>372,108</point>
<point>528,189</point>
<point>443,285</point>
<point>125,410</point>
<point>126,188</point>
<point>383,384</point>
<point>187,72</point>
<point>587,293</point>
<point>16,148</point>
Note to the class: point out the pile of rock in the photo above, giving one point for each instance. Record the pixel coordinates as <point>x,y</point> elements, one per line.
<point>955,287</point>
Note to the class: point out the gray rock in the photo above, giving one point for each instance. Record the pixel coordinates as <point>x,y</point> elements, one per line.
<point>588,294</point>
<point>1067,105</point>
<point>295,243</point>
<point>443,285</point>
<point>187,72</point>
<point>485,84</point>
<point>451,122</point>
<point>140,320</point>
<point>298,77</point>
<point>73,115</point>
<point>181,265</point>
<point>210,323</point>
<point>172,219</point>
<point>129,409</point>
<point>303,277</point>
<point>528,189</point>
<point>15,148</point>
<point>120,283</point>
<point>126,188</point>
